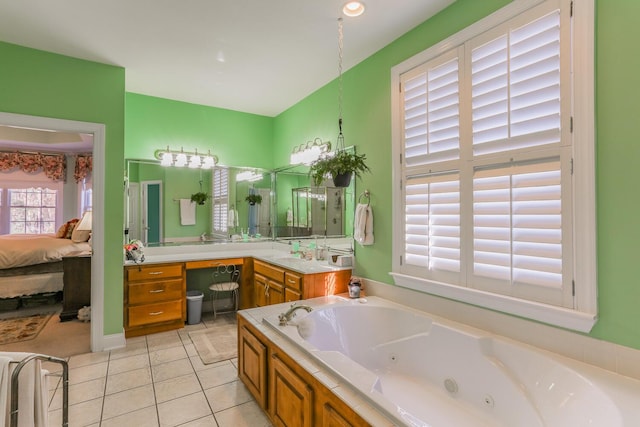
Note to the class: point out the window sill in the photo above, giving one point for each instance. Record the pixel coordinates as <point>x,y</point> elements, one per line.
<point>556,316</point>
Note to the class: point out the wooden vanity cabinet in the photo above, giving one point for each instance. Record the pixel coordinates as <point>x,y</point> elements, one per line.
<point>154,298</point>
<point>289,395</point>
<point>268,282</point>
<point>267,291</point>
<point>274,284</point>
<point>252,363</point>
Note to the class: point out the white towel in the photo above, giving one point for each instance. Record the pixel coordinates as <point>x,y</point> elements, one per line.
<point>289,217</point>
<point>232,220</point>
<point>33,391</point>
<point>363,225</point>
<point>187,212</point>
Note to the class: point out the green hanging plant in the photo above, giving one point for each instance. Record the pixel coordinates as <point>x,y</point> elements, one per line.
<point>199,197</point>
<point>341,163</point>
<point>253,199</point>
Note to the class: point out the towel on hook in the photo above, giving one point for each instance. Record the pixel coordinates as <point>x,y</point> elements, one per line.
<point>363,225</point>
<point>289,217</point>
<point>232,220</point>
<point>187,212</point>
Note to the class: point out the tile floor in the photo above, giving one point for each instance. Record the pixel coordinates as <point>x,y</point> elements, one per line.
<point>157,380</point>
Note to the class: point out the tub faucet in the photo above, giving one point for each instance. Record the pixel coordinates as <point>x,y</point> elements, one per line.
<point>285,317</point>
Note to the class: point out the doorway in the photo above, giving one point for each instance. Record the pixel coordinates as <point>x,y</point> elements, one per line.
<point>97,262</point>
<point>152,211</point>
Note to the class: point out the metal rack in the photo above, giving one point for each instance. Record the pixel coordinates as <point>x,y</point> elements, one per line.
<point>65,385</point>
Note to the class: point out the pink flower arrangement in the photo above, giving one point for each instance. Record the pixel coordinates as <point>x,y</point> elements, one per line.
<point>133,250</point>
<point>134,245</point>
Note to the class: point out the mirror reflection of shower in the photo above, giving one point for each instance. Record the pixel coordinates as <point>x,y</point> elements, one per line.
<point>317,211</point>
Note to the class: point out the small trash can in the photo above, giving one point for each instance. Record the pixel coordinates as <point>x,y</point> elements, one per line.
<point>194,307</point>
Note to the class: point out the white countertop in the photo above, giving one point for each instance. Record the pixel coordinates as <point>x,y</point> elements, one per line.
<point>271,252</point>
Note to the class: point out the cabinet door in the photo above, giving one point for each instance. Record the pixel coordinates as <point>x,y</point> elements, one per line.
<point>332,418</point>
<point>260,287</point>
<point>333,412</point>
<point>291,295</point>
<point>275,292</point>
<point>290,397</point>
<point>252,365</point>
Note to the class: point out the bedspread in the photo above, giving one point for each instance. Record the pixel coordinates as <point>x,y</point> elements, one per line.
<point>21,250</point>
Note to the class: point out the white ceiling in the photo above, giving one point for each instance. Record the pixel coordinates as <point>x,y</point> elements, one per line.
<point>254,56</point>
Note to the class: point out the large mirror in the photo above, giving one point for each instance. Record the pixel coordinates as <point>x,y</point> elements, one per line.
<point>282,204</point>
<point>305,210</point>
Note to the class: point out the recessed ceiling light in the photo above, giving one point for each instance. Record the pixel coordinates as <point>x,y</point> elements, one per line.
<point>353,8</point>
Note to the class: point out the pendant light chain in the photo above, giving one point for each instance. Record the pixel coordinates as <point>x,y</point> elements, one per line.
<point>340,141</point>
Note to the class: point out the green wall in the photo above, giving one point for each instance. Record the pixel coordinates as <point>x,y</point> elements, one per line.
<point>367,119</point>
<point>39,83</point>
<point>238,139</point>
<point>618,156</point>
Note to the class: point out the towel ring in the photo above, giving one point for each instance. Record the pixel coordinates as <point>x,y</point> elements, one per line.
<point>366,195</point>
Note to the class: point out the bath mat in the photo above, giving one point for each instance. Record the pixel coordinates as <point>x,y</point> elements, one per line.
<point>215,344</point>
<point>23,328</point>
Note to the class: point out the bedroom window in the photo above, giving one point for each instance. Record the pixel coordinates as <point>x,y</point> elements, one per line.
<point>32,210</point>
<point>495,148</point>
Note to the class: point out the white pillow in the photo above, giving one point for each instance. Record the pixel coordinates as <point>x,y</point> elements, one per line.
<point>79,236</point>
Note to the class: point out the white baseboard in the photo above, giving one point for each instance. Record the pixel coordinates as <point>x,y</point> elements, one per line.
<point>113,342</point>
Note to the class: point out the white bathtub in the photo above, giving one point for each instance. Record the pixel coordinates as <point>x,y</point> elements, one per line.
<point>422,372</point>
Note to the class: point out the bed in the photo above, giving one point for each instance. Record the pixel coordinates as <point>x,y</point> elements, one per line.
<point>32,264</point>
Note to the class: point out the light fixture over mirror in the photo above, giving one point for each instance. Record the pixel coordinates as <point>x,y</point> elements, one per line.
<point>184,158</point>
<point>249,175</point>
<point>305,154</point>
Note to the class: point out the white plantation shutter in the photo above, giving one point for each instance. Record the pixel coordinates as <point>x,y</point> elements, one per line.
<point>432,112</point>
<point>516,88</point>
<point>220,199</point>
<point>432,223</point>
<point>517,230</point>
<point>486,181</point>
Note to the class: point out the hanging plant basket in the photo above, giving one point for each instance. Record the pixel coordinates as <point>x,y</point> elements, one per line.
<point>253,199</point>
<point>342,179</point>
<point>341,163</point>
<point>199,198</point>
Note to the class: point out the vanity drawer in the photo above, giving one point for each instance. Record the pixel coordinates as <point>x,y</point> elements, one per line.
<point>155,313</point>
<point>213,263</point>
<point>293,281</point>
<point>153,272</point>
<point>268,270</point>
<point>147,292</point>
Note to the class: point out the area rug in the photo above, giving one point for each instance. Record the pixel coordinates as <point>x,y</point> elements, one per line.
<point>215,344</point>
<point>24,328</point>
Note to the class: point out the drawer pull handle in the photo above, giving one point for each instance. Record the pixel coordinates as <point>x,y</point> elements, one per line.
<point>292,281</point>
<point>156,291</point>
<point>156,313</point>
<point>155,273</point>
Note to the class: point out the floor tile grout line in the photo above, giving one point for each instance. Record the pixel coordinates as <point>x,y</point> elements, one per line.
<point>200,381</point>
<point>153,381</point>
<point>184,340</point>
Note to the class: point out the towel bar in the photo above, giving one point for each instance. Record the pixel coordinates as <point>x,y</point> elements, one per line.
<point>65,386</point>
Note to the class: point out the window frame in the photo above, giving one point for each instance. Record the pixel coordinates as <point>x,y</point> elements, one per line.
<point>22,180</point>
<point>583,315</point>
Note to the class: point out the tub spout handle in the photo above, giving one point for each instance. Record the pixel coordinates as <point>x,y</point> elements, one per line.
<point>289,314</point>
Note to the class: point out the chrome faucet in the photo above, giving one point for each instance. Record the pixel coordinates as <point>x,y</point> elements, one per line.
<point>289,314</point>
